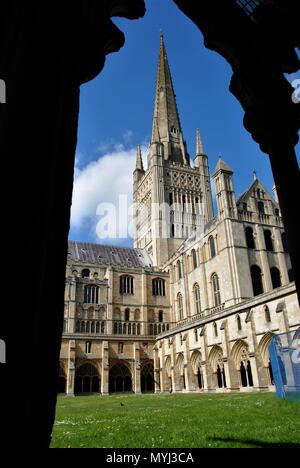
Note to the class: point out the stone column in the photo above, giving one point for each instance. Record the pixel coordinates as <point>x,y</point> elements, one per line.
<point>253,352</point>
<point>228,365</point>
<point>105,369</point>
<point>71,368</point>
<point>136,371</point>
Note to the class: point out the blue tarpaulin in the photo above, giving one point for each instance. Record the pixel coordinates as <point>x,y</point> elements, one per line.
<point>285,360</point>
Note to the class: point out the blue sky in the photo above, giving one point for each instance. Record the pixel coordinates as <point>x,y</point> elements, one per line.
<point>117,108</point>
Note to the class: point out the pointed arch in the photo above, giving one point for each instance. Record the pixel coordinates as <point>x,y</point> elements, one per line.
<point>168,366</point>
<point>241,359</point>
<point>237,350</point>
<point>264,348</point>
<point>216,357</point>
<point>196,360</point>
<point>180,364</point>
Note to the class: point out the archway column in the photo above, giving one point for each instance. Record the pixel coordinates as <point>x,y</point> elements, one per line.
<point>70,390</point>
<point>105,369</point>
<point>136,369</point>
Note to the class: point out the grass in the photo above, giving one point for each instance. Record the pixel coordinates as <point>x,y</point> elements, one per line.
<point>176,421</point>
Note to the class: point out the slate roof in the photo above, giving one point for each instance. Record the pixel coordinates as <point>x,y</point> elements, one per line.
<point>108,255</point>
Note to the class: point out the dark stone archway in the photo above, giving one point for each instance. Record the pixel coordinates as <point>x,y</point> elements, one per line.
<point>120,378</point>
<point>147,377</point>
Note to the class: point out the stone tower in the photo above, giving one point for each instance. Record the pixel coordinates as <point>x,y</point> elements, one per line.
<point>223,179</point>
<point>172,199</point>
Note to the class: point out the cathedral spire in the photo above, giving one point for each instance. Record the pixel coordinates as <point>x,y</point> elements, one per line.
<point>139,160</point>
<point>166,122</point>
<point>199,145</point>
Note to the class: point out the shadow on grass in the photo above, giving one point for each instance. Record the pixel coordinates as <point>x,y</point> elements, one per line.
<point>256,443</point>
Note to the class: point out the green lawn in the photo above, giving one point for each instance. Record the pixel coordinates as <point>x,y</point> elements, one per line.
<point>182,421</point>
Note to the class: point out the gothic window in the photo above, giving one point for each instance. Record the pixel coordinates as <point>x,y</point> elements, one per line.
<point>216,290</point>
<point>267,314</point>
<point>261,208</point>
<point>85,273</point>
<point>245,207</point>
<point>276,278</point>
<point>256,280</point>
<point>179,270</point>
<point>197,298</point>
<point>161,316</point>
<point>269,240</point>
<point>195,260</point>
<point>212,247</point>
<point>215,327</point>
<point>239,323</point>
<point>277,212</point>
<point>285,244</point>
<point>120,348</point>
<point>158,287</point>
<point>91,294</point>
<point>180,306</point>
<point>88,347</point>
<point>196,335</point>
<point>250,238</point>
<point>126,285</point>
<point>127,315</point>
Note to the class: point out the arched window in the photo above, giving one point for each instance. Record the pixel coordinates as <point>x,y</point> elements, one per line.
<point>195,260</point>
<point>91,294</point>
<point>269,240</point>
<point>267,314</point>
<point>197,298</point>
<point>212,246</point>
<point>256,280</point>
<point>216,290</point>
<point>126,285</point>
<point>239,323</point>
<point>85,273</point>
<point>180,306</point>
<point>250,238</point>
<point>276,278</point>
<point>160,316</point>
<point>159,287</point>
<point>215,327</point>
<point>127,315</point>
<point>285,244</point>
<point>179,270</point>
<point>261,207</point>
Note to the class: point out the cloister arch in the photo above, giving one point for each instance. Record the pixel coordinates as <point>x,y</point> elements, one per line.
<point>87,379</point>
<point>216,361</point>
<point>196,360</point>
<point>241,359</point>
<point>120,378</point>
<point>180,371</point>
<point>147,377</point>
<point>265,356</point>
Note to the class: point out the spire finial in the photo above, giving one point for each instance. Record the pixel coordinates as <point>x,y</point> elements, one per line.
<point>139,159</point>
<point>199,145</point>
<point>255,174</point>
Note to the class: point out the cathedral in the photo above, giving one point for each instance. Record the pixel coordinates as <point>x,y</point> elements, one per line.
<point>194,305</point>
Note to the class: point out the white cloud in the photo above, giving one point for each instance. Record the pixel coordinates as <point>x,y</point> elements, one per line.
<point>102,181</point>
